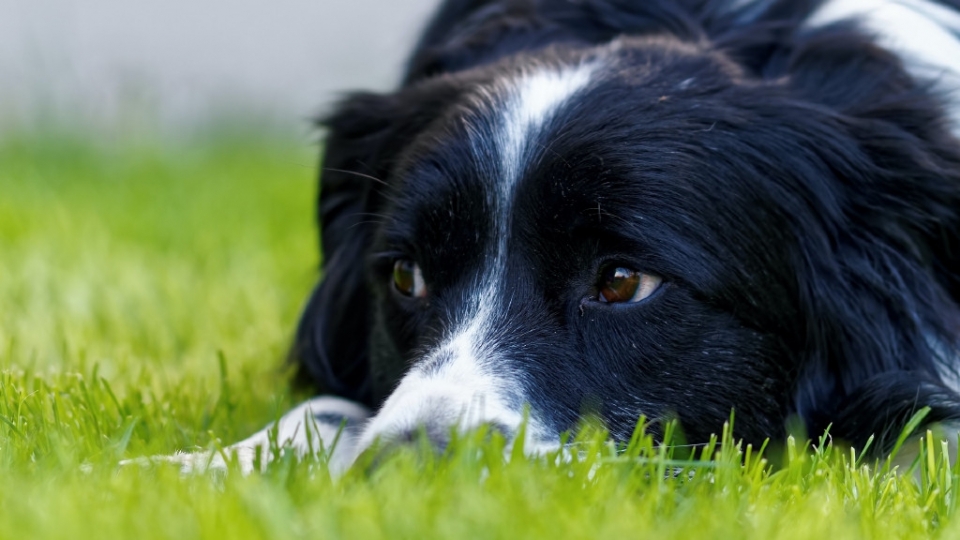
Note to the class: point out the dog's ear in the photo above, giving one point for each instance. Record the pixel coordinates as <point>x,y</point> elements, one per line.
<point>879,282</point>
<point>365,135</point>
<point>330,346</point>
<point>906,127</point>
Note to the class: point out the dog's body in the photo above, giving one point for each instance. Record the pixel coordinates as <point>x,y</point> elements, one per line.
<point>669,208</point>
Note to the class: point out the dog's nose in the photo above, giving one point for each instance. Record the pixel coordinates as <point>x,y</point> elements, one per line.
<point>433,404</point>
<point>436,436</point>
<point>424,438</point>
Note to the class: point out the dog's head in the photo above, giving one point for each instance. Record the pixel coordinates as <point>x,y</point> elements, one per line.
<point>647,227</point>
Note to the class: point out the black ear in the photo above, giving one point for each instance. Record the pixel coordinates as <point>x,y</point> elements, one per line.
<point>879,283</point>
<point>330,347</point>
<point>366,135</point>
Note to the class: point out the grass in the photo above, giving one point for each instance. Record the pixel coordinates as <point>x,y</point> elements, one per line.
<point>148,290</point>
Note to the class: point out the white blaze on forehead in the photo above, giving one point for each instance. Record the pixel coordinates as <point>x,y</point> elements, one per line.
<point>525,105</point>
<point>528,102</point>
<point>522,106</point>
<point>925,35</point>
<point>532,99</point>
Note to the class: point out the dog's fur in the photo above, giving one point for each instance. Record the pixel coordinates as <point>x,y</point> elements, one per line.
<point>791,170</point>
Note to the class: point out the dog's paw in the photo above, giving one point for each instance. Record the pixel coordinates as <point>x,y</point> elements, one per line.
<point>322,425</point>
<point>245,460</point>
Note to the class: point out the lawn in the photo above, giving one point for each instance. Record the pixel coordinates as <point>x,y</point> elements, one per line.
<point>148,289</point>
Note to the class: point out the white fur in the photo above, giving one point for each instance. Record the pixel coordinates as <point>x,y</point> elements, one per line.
<point>533,99</point>
<point>922,33</point>
<point>298,431</point>
<point>460,395</point>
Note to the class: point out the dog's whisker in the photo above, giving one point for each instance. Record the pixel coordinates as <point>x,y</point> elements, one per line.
<point>357,174</point>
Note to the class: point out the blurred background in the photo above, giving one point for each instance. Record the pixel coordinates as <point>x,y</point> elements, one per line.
<point>158,177</point>
<point>178,65</point>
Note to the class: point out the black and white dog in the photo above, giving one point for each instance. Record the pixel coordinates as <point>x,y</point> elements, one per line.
<point>670,208</point>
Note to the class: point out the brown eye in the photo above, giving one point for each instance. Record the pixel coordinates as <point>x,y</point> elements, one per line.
<point>408,279</point>
<point>619,284</point>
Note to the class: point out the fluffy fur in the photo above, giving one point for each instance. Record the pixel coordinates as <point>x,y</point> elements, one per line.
<point>789,168</point>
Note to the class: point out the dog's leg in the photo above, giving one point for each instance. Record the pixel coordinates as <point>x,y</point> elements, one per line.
<point>324,424</point>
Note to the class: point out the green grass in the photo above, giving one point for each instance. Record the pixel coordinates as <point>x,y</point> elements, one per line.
<point>148,290</point>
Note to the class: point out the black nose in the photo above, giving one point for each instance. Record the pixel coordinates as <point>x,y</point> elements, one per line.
<point>437,436</point>
<point>422,440</point>
<point>426,438</point>
<point>432,436</point>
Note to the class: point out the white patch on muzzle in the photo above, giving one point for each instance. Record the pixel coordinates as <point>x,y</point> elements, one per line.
<point>457,395</point>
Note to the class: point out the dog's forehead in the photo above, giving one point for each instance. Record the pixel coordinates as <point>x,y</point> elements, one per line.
<point>577,143</point>
<point>512,124</point>
<point>508,117</point>
<point>487,142</point>
<point>461,187</point>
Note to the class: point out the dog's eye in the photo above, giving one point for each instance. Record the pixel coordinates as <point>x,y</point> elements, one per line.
<point>408,279</point>
<point>619,284</point>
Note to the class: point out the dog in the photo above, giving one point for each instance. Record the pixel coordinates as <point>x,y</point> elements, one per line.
<point>614,208</point>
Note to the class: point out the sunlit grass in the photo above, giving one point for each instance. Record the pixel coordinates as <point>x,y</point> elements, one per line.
<point>148,290</point>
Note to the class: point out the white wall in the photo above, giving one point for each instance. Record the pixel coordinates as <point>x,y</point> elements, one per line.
<point>92,60</point>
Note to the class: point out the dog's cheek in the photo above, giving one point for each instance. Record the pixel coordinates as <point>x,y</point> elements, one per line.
<point>686,360</point>
<point>747,379</point>
<point>387,364</point>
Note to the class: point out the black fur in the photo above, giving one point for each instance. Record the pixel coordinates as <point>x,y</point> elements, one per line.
<point>796,188</point>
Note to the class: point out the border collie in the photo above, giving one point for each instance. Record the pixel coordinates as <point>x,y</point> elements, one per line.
<point>669,208</point>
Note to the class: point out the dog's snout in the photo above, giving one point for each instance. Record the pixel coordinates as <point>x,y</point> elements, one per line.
<point>436,435</point>
<point>425,439</point>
